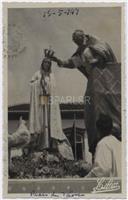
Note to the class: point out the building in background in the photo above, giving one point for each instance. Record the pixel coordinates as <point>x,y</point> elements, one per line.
<point>72,123</point>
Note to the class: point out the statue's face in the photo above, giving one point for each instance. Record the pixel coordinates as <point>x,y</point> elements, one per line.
<point>78,39</point>
<point>46,65</point>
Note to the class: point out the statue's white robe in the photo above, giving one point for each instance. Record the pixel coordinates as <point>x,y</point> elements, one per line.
<point>36,114</point>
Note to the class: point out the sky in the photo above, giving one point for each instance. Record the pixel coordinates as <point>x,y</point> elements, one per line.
<point>29,33</point>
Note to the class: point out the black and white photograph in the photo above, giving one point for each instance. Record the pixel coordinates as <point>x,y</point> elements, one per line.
<point>64,101</point>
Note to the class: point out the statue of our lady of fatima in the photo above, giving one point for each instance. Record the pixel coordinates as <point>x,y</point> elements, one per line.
<point>44,116</point>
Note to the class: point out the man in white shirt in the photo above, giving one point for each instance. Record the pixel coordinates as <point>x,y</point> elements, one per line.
<point>107,162</point>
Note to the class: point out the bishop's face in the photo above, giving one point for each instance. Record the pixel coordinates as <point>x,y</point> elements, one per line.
<point>78,39</point>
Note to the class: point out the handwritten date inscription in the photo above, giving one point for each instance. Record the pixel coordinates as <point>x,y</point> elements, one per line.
<point>60,11</point>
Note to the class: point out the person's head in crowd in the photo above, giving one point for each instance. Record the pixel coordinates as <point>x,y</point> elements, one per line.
<point>46,65</point>
<point>116,131</point>
<point>104,125</point>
